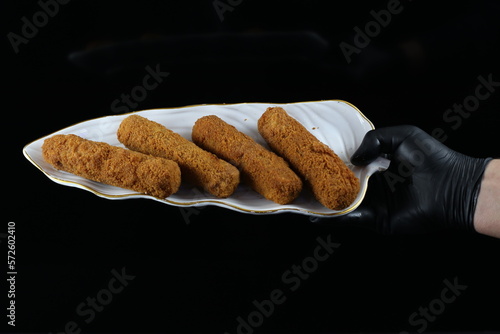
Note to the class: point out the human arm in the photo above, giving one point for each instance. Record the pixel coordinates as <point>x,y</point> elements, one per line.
<point>487,215</point>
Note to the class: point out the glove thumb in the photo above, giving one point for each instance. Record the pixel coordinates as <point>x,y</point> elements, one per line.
<point>380,141</point>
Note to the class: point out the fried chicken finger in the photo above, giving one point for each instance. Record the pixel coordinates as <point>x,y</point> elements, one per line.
<point>112,165</point>
<point>333,184</point>
<point>261,169</point>
<point>198,166</point>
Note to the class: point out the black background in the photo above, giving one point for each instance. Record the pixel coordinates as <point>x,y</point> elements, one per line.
<point>201,274</point>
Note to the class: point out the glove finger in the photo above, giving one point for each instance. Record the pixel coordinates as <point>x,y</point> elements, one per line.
<point>379,141</point>
<point>362,217</point>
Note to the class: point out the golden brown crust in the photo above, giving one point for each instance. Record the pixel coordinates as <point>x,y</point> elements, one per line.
<point>333,184</point>
<point>198,166</point>
<point>112,165</point>
<point>263,170</point>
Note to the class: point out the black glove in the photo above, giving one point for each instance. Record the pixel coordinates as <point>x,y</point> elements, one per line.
<point>427,187</point>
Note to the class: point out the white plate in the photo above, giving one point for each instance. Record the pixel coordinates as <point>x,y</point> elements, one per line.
<point>336,123</point>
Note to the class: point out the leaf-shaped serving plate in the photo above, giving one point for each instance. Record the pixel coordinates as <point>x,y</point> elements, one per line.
<point>336,123</point>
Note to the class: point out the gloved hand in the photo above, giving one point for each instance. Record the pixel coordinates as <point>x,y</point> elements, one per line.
<point>427,187</point>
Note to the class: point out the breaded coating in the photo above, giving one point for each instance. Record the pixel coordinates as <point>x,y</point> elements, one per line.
<point>112,165</point>
<point>333,184</point>
<point>198,166</point>
<point>264,171</point>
